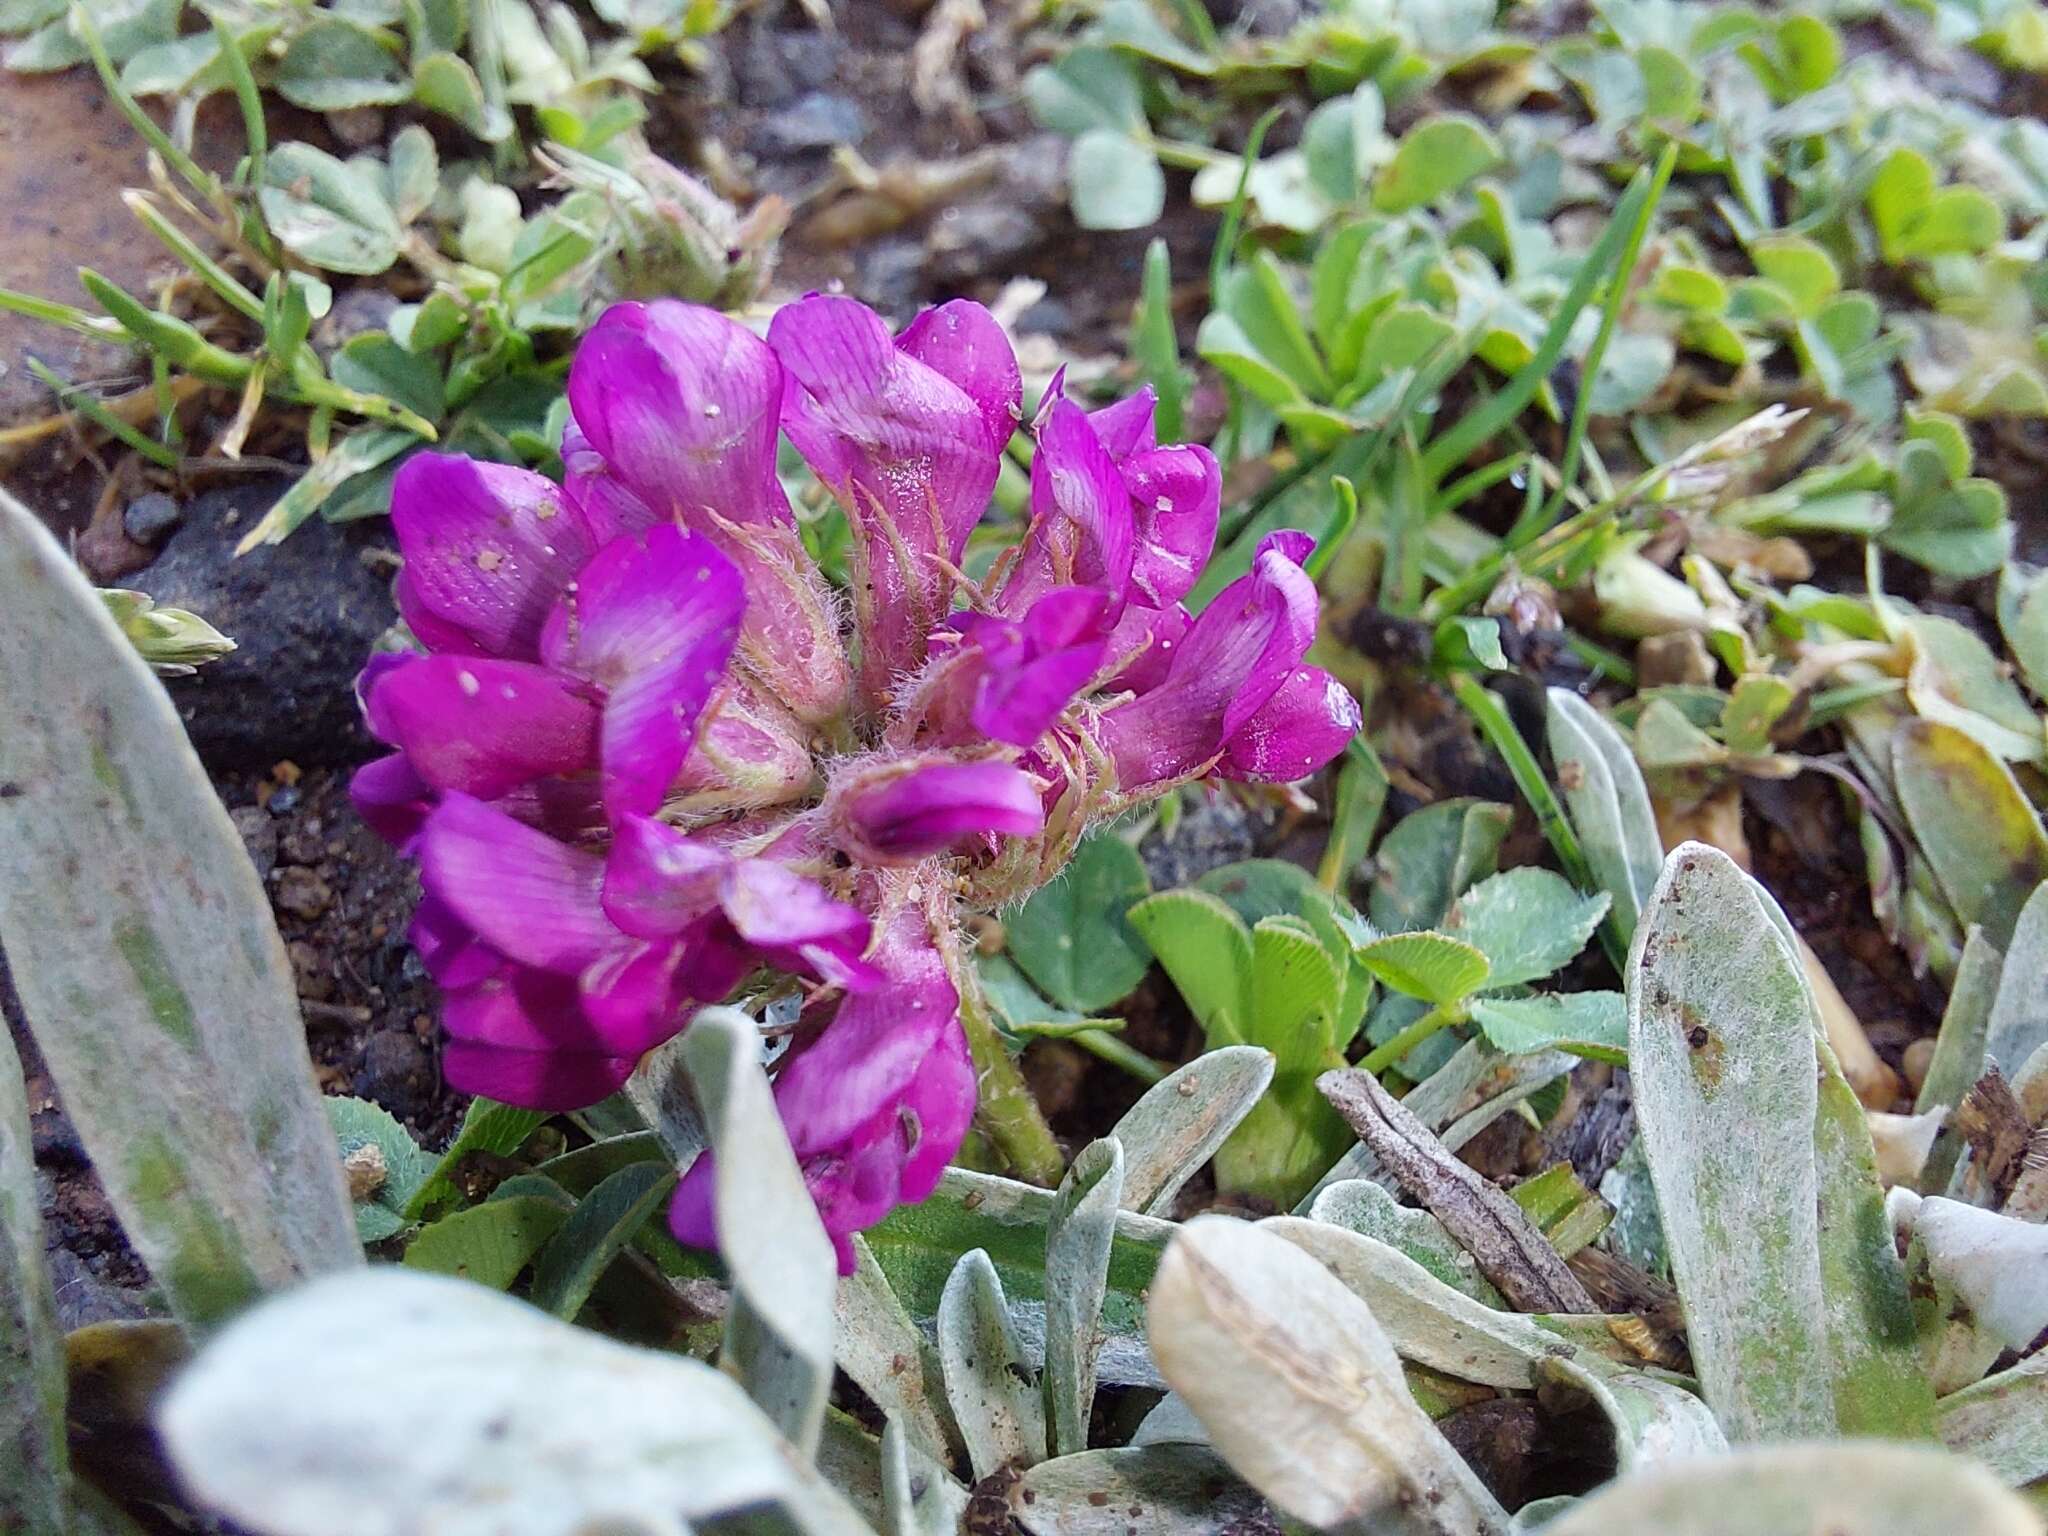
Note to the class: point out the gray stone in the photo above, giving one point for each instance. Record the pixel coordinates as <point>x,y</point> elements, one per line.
<point>813,123</point>
<point>397,1073</point>
<point>302,614</point>
<point>1206,837</point>
<point>889,275</point>
<point>151,519</point>
<point>775,66</point>
<point>259,837</point>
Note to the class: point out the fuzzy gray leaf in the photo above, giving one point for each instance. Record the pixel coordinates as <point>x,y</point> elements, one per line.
<point>780,1327</point>
<point>1608,803</point>
<point>994,1399</point>
<point>35,1474</point>
<point>1300,1389</point>
<point>1147,1490</point>
<point>1181,1121</point>
<point>1869,1489</point>
<point>1077,1245</point>
<point>1721,1043</point>
<point>147,961</point>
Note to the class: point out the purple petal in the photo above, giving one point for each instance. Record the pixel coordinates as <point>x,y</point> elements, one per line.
<point>1234,658</point>
<point>657,882</point>
<point>653,620</point>
<point>910,454</point>
<point>963,342</point>
<point>529,897</point>
<point>488,548</point>
<point>1126,427</point>
<point>798,926</point>
<point>556,1082</point>
<point>906,815</point>
<point>522,1039</point>
<point>1177,495</point>
<point>941,1099</point>
<point>1301,727</point>
<point>681,403</point>
<point>691,1218</point>
<point>637,997</point>
<point>1081,527</point>
<point>479,726</point>
<point>392,798</point>
<point>1034,668</point>
<point>449,948</point>
<point>866,1059</point>
<point>611,510</point>
<point>1145,642</point>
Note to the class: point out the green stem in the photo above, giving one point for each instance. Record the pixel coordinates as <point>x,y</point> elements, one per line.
<point>1528,527</point>
<point>1007,1114</point>
<point>1499,730</point>
<point>1442,1016</point>
<point>1100,1042</point>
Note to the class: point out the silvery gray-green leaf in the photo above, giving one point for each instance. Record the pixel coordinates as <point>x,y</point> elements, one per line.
<point>1654,1418</point>
<point>1869,1488</point>
<point>1077,1244</point>
<point>850,1459</point>
<point>919,1496</point>
<point>2018,1025</point>
<point>1723,1059</point>
<point>918,1246</point>
<point>995,1401</point>
<point>1300,1389</point>
<point>1997,1265</point>
<point>35,1473</point>
<point>780,1327</point>
<point>881,1349</point>
<point>1528,923</point>
<point>2002,1421</point>
<point>660,1091</point>
<point>1182,1119</point>
<point>1608,803</point>
<point>1880,1385</point>
<point>1171,1422</point>
<point>1436,1326</point>
<point>384,1403</point>
<point>147,962</point>
<point>1955,1349</point>
<point>1370,1209</point>
<point>1958,1059</point>
<point>1145,1490</point>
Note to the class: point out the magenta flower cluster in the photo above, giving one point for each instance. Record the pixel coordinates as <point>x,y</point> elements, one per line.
<point>648,754</point>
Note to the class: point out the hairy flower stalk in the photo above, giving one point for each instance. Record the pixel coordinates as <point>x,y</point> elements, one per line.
<point>646,759</point>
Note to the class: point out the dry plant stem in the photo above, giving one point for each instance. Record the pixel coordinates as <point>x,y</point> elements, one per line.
<point>1506,1245</point>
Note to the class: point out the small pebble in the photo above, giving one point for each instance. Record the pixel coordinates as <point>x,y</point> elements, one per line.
<point>284,800</point>
<point>309,972</point>
<point>397,1072</point>
<point>259,837</point>
<point>302,893</point>
<point>152,518</point>
<point>302,845</point>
